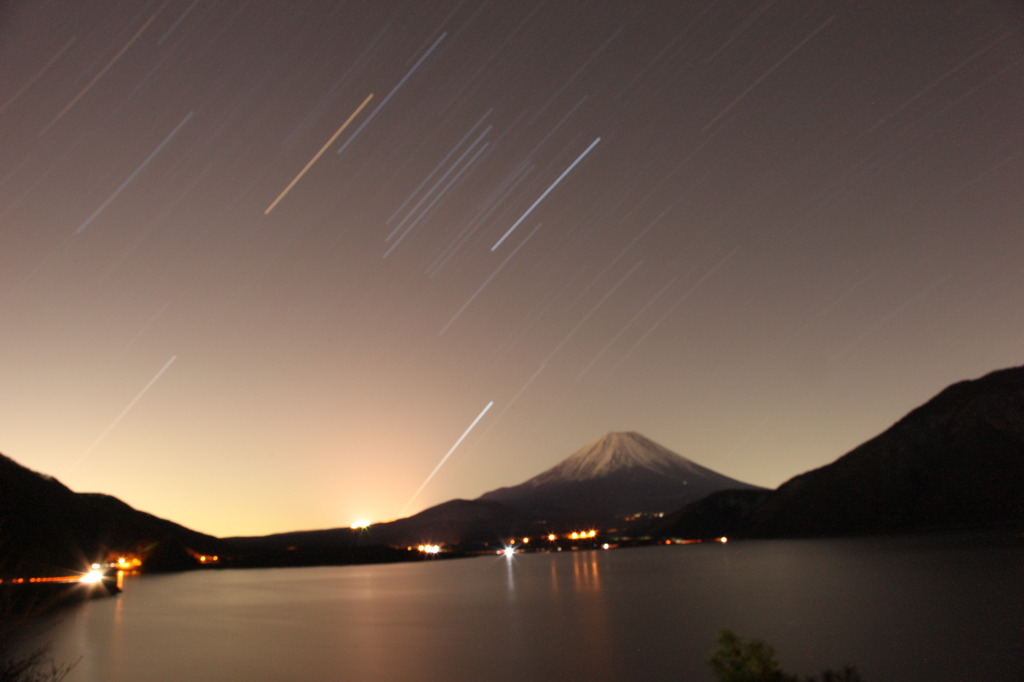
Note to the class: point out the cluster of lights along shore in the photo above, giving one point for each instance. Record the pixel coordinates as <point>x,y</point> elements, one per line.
<point>514,545</point>
<point>95,574</point>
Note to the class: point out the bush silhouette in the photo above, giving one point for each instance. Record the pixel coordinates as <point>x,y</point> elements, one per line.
<point>738,660</point>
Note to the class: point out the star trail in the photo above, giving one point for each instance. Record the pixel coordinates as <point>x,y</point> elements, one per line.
<point>756,232</point>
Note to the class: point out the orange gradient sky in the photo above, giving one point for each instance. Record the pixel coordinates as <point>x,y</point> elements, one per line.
<point>757,233</point>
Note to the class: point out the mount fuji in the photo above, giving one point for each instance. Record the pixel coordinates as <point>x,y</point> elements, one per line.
<point>617,475</point>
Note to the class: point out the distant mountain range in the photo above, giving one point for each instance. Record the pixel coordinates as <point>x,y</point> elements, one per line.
<point>617,475</point>
<point>955,462</point>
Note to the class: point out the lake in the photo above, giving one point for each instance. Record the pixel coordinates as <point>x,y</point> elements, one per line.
<point>947,607</point>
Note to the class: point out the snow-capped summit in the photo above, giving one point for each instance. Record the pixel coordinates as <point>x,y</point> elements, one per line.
<point>618,474</point>
<point>616,452</point>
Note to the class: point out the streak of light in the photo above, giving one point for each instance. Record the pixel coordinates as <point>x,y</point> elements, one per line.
<point>987,173</point>
<point>326,100</point>
<point>544,107</point>
<point>739,30</point>
<point>767,73</point>
<point>488,280</point>
<point>555,128</point>
<point>446,456</point>
<point>886,319</point>
<point>931,86</point>
<point>621,254</point>
<point>123,413</point>
<point>439,196</point>
<point>594,309</point>
<point>103,71</point>
<point>825,310</point>
<point>689,292</point>
<point>37,75</point>
<point>438,167</point>
<point>490,204</point>
<point>522,389</point>
<point>626,326</point>
<point>137,336</point>
<point>495,52</point>
<point>565,339</point>
<point>546,192</point>
<point>427,194</point>
<point>316,156</point>
<point>390,94</point>
<point>177,22</point>
<point>135,172</point>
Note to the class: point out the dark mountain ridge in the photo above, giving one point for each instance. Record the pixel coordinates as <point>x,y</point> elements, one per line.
<point>956,461</point>
<point>45,528</point>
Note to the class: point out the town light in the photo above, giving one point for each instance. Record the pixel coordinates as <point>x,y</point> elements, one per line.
<point>94,575</point>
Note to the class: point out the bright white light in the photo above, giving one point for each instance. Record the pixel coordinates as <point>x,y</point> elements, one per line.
<point>546,192</point>
<point>508,552</point>
<point>360,524</point>
<point>447,455</point>
<point>93,576</point>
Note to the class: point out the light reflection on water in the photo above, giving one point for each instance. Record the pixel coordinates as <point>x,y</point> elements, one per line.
<point>917,609</point>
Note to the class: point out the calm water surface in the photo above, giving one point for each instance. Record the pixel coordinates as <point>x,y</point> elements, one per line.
<point>921,608</point>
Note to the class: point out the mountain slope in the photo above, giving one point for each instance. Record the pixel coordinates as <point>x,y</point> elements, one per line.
<point>47,528</point>
<point>956,461</point>
<point>619,474</point>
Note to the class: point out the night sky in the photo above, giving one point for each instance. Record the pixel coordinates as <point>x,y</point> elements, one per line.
<point>756,232</point>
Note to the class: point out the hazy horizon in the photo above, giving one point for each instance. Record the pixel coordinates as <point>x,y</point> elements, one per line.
<point>758,234</point>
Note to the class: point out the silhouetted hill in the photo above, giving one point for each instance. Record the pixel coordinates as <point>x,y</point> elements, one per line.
<point>957,461</point>
<point>467,523</point>
<point>617,475</point>
<point>45,528</point>
<point>456,523</point>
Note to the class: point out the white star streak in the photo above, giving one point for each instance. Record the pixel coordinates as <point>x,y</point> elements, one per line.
<point>565,339</point>
<point>437,168</point>
<point>629,324</point>
<point>689,292</point>
<point>446,456</point>
<point>437,184</point>
<point>546,192</point>
<point>440,195</point>
<point>135,172</point>
<point>110,428</point>
<point>390,94</point>
<point>176,23</point>
<point>490,204</point>
<point>488,280</point>
<point>767,73</point>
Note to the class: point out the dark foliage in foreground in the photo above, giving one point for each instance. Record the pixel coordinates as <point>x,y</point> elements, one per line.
<point>36,666</point>
<point>33,664</point>
<point>736,660</point>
